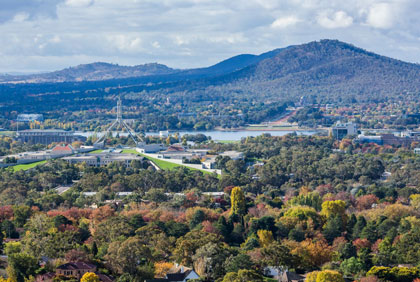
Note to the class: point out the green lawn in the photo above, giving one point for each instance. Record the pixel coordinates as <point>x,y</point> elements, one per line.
<point>26,166</point>
<point>227,141</point>
<point>161,163</point>
<point>8,133</point>
<point>96,151</point>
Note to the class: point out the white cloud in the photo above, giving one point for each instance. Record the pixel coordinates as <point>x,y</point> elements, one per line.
<point>339,19</point>
<point>380,15</point>
<point>285,22</point>
<point>79,3</point>
<point>21,17</point>
<point>50,34</point>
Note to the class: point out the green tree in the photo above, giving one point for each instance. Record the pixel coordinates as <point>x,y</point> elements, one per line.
<point>351,266</point>
<point>21,266</point>
<point>278,255</point>
<point>209,260</point>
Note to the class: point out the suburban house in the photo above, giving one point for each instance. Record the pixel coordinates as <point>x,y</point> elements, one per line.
<point>181,274</point>
<point>72,269</point>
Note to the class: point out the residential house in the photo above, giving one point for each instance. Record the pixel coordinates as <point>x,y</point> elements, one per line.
<point>72,269</point>
<point>177,277</point>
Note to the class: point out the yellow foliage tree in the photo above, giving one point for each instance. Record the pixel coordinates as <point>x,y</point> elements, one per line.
<point>162,268</point>
<point>237,199</point>
<point>265,237</point>
<point>329,276</point>
<point>90,277</point>
<point>330,208</point>
<point>415,200</point>
<point>311,277</point>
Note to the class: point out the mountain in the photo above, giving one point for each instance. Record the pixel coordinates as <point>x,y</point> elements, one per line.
<point>327,67</point>
<point>91,72</point>
<point>326,70</point>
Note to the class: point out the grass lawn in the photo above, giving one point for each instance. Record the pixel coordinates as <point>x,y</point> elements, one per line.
<point>96,151</point>
<point>26,166</point>
<point>227,141</point>
<point>8,133</point>
<point>161,163</point>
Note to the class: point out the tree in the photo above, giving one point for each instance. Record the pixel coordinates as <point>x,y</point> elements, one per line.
<point>351,266</point>
<point>329,276</point>
<point>187,245</point>
<point>209,260</point>
<point>21,214</point>
<point>237,201</point>
<point>243,275</point>
<point>278,255</point>
<point>129,257</point>
<point>21,266</point>
<point>235,263</point>
<point>331,208</point>
<point>89,277</point>
<point>265,237</point>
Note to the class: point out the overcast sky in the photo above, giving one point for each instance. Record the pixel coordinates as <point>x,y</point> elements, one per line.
<point>44,35</point>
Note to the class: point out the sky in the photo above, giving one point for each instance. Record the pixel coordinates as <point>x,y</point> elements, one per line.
<point>46,35</point>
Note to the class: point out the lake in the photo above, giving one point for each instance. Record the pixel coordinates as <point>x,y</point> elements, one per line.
<point>221,135</point>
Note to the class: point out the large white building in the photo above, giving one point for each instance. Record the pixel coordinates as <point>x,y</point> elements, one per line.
<point>103,159</point>
<point>341,130</point>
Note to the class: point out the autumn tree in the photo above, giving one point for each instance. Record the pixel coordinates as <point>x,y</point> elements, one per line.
<point>265,237</point>
<point>329,276</point>
<point>89,277</point>
<point>237,198</point>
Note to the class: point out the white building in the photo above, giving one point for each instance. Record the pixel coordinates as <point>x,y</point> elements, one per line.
<point>341,130</point>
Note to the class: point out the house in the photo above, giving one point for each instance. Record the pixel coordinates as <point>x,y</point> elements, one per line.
<point>72,269</point>
<point>291,277</point>
<point>75,269</point>
<point>286,276</point>
<point>183,275</point>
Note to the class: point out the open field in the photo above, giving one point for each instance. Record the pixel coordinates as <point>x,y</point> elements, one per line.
<point>161,163</point>
<point>26,166</point>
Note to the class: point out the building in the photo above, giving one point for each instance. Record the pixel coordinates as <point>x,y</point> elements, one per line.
<point>181,276</point>
<point>234,155</point>
<point>63,149</point>
<point>104,159</point>
<point>72,269</point>
<point>163,133</point>
<point>369,139</point>
<point>341,130</point>
<point>417,151</point>
<point>144,148</point>
<point>37,136</point>
<point>30,117</point>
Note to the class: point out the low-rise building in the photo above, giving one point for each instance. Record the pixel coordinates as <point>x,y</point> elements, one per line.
<point>234,155</point>
<point>341,130</point>
<point>98,160</point>
<point>38,136</point>
<point>72,270</point>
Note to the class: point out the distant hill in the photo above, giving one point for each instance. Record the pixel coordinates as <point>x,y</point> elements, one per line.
<point>324,70</point>
<point>91,72</point>
<point>328,67</point>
